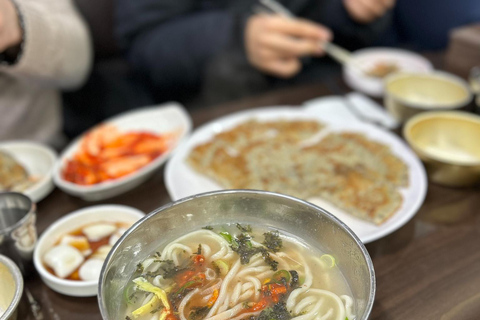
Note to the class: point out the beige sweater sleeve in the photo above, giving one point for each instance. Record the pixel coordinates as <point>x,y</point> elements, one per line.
<point>57,49</point>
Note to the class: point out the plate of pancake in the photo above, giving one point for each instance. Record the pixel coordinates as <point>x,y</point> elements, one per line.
<point>366,176</point>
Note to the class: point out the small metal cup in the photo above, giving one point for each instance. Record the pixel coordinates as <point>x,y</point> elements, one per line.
<point>18,234</point>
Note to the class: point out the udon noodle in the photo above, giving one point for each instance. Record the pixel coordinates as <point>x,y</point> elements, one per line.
<point>224,273</point>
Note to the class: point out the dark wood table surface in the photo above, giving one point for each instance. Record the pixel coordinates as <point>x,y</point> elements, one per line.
<point>428,269</point>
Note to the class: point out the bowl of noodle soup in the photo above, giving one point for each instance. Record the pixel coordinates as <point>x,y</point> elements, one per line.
<point>238,254</point>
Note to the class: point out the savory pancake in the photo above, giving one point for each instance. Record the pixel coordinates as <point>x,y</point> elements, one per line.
<point>358,175</point>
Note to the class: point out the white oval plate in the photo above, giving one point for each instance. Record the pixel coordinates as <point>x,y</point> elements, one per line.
<point>39,161</point>
<point>367,58</point>
<point>160,120</point>
<point>183,181</point>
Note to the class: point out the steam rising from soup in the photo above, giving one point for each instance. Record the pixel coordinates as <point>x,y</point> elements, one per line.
<point>233,272</point>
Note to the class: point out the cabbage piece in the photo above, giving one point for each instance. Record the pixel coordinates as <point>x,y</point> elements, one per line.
<point>144,285</point>
<point>147,308</point>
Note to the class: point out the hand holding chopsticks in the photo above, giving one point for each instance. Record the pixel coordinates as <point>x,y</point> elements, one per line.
<point>338,53</point>
<point>275,44</point>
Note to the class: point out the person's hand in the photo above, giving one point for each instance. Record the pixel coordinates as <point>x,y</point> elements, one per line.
<point>10,30</point>
<point>275,44</point>
<point>366,11</point>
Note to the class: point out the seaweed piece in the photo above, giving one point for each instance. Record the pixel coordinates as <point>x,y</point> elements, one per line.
<point>246,251</point>
<point>295,283</point>
<point>246,228</point>
<point>244,248</point>
<point>266,257</point>
<point>273,241</point>
<point>277,312</point>
<point>208,228</point>
<point>170,270</point>
<point>198,313</point>
<point>199,250</point>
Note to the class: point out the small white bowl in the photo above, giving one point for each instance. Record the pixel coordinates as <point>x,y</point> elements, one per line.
<point>160,120</point>
<point>12,288</point>
<point>39,160</point>
<point>69,223</point>
<point>363,60</point>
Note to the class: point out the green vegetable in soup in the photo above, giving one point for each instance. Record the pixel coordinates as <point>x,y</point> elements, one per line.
<point>282,276</point>
<point>221,267</point>
<point>129,293</point>
<point>230,239</point>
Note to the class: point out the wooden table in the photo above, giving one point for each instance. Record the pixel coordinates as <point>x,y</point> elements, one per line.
<point>429,269</point>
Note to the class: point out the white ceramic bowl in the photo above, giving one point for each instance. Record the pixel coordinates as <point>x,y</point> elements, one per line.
<point>159,120</point>
<point>39,160</point>
<point>12,288</point>
<point>69,223</point>
<point>355,75</point>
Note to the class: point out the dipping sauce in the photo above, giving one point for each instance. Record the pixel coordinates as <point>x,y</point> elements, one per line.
<point>79,255</point>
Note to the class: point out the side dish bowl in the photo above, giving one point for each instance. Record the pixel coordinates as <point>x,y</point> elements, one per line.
<point>447,142</point>
<point>171,118</point>
<point>312,224</point>
<point>12,288</point>
<point>39,161</point>
<point>407,94</point>
<point>69,223</point>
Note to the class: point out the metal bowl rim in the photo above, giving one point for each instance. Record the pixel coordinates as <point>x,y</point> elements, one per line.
<point>318,209</point>
<point>27,216</point>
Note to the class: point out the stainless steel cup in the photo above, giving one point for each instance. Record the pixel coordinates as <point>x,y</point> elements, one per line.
<point>18,234</point>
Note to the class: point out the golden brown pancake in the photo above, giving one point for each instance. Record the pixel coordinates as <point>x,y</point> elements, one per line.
<point>358,175</point>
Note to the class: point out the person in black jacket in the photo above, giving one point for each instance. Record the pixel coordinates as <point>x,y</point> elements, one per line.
<point>220,45</point>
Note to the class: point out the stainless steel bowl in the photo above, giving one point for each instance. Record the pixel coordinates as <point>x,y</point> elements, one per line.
<point>11,291</point>
<point>407,94</point>
<point>309,222</point>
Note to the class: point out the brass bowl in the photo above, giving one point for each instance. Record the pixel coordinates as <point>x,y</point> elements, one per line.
<point>407,94</point>
<point>448,144</point>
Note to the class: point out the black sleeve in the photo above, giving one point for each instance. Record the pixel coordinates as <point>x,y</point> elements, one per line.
<point>136,16</point>
<point>347,33</point>
<point>170,42</point>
